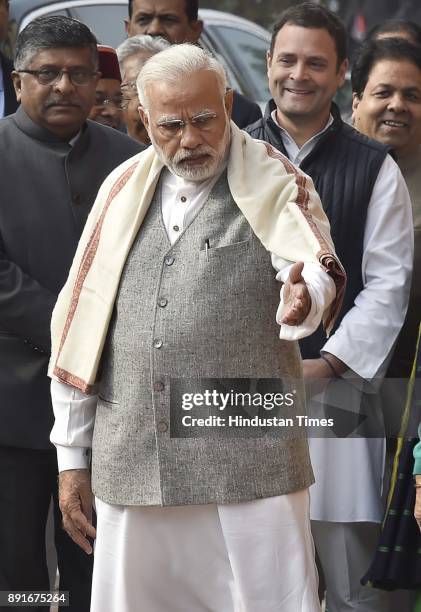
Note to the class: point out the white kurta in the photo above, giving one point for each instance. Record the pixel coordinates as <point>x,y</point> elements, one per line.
<point>250,557</point>
<point>245,557</point>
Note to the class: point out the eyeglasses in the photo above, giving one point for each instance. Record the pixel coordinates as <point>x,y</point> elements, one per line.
<point>48,76</point>
<point>129,91</point>
<point>171,127</point>
<point>129,86</point>
<point>115,101</point>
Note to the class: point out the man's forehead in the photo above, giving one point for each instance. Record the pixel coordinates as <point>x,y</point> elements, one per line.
<point>403,73</point>
<point>108,85</point>
<point>160,7</point>
<point>297,39</point>
<point>197,89</point>
<point>63,56</point>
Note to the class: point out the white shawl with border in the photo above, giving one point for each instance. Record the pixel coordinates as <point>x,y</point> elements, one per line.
<point>277,199</point>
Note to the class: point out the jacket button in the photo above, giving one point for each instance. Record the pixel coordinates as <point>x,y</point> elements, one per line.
<point>157,343</point>
<point>162,426</point>
<point>162,302</point>
<point>169,260</point>
<point>76,199</point>
<point>158,385</point>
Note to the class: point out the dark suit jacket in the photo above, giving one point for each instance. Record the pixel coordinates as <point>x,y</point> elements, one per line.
<point>47,191</point>
<point>10,102</point>
<point>244,111</point>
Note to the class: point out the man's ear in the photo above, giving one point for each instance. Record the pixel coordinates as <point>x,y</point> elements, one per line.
<point>228,101</point>
<point>196,28</point>
<point>268,60</point>
<point>17,84</point>
<point>343,68</point>
<point>355,102</point>
<point>127,27</point>
<point>144,115</point>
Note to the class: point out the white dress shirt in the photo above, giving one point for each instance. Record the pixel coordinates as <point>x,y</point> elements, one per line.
<point>181,200</point>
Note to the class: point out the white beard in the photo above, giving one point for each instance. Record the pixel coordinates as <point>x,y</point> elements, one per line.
<point>201,173</point>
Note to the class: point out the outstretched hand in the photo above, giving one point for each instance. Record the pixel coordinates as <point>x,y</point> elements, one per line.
<point>297,298</point>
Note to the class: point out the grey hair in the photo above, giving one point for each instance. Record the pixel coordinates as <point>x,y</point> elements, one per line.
<point>141,43</point>
<point>175,63</point>
<point>52,32</point>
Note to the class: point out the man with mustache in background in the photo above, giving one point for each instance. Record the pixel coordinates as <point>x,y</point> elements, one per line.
<point>52,164</point>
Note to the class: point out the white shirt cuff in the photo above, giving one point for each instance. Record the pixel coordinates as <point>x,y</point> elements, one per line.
<point>72,458</point>
<point>73,428</point>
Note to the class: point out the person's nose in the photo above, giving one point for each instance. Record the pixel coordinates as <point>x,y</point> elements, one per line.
<point>191,137</point>
<point>154,28</point>
<point>397,103</point>
<point>64,83</point>
<point>298,71</point>
<point>111,111</point>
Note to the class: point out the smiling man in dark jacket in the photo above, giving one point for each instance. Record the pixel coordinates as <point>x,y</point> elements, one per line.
<point>366,200</point>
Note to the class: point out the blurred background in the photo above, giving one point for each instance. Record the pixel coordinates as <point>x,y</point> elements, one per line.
<point>358,15</point>
<point>239,36</point>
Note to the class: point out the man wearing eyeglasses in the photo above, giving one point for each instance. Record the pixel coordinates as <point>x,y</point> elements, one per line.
<point>52,163</point>
<point>173,280</point>
<point>107,108</point>
<point>132,55</point>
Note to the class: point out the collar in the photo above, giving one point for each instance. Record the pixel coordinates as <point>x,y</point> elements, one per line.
<point>289,138</point>
<point>275,133</point>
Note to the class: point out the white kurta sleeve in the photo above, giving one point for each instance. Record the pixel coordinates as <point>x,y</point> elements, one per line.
<point>367,333</point>
<point>322,292</point>
<point>73,428</point>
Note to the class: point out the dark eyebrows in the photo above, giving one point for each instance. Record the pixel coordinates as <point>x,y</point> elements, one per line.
<point>410,89</point>
<point>284,55</point>
<point>293,56</point>
<point>145,15</point>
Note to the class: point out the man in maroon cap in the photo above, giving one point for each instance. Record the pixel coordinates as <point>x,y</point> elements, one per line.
<point>107,108</point>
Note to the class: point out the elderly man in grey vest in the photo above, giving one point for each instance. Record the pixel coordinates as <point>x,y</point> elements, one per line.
<point>174,283</point>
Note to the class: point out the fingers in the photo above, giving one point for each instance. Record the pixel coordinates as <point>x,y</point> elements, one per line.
<point>296,313</point>
<point>78,527</point>
<point>75,497</point>
<point>295,272</point>
<point>297,307</point>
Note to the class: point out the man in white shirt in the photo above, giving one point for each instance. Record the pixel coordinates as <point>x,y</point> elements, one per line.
<point>367,202</point>
<point>176,252</point>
